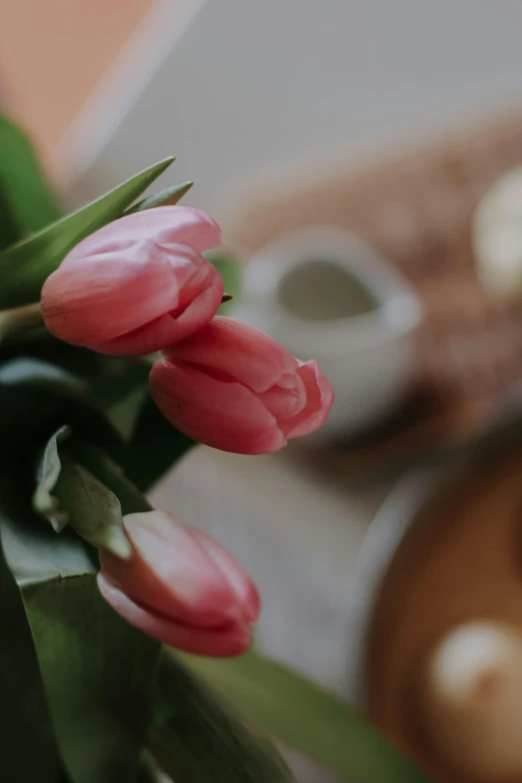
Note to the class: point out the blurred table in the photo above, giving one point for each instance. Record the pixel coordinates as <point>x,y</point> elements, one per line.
<point>298,535</point>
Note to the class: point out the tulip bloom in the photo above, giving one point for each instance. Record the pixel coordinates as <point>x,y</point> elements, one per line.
<point>232,387</point>
<point>136,285</point>
<point>181,587</point>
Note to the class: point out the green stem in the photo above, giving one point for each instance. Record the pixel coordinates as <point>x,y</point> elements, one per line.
<point>20,319</point>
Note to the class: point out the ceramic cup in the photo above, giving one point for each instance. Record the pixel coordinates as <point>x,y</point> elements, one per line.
<point>324,294</point>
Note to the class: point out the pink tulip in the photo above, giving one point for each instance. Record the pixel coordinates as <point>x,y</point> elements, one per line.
<point>181,587</point>
<point>136,285</point>
<point>232,387</point>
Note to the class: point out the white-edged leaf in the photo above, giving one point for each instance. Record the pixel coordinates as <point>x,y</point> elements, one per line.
<point>47,474</point>
<point>92,509</point>
<point>68,494</point>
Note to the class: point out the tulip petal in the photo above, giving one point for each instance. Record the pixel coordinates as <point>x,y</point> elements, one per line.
<point>225,641</point>
<point>171,571</point>
<point>247,596</point>
<point>99,298</point>
<point>113,290</point>
<point>181,225</point>
<point>242,352</point>
<point>287,397</point>
<point>132,301</point>
<point>175,325</point>
<point>217,411</point>
<point>319,400</point>
<point>234,388</point>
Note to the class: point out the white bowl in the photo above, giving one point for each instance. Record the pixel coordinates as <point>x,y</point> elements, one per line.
<point>324,294</point>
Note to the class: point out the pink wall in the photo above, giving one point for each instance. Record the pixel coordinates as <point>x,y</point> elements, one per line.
<point>53,53</point>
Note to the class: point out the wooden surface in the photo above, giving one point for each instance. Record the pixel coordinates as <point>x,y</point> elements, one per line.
<point>459,562</point>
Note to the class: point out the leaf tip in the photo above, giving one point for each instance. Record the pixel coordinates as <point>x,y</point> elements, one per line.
<point>162,165</point>
<point>118,544</point>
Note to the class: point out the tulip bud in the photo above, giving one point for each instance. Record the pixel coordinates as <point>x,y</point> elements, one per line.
<point>181,587</point>
<point>233,388</point>
<point>136,285</point>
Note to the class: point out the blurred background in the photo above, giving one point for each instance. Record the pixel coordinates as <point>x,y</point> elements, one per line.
<point>356,156</point>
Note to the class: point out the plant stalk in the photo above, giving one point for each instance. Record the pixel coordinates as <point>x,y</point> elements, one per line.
<point>20,319</point>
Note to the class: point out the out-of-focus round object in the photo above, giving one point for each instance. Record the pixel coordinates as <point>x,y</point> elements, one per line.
<point>497,236</point>
<point>470,704</point>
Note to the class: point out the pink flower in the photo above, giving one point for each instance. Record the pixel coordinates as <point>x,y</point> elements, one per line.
<point>181,587</point>
<point>136,285</point>
<point>232,387</point>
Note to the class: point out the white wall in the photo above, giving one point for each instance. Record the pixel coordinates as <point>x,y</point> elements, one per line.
<point>253,82</point>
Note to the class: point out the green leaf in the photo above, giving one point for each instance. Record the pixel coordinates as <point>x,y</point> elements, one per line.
<point>168,197</point>
<point>25,266</point>
<point>118,377</point>
<point>41,345</point>
<point>155,446</point>
<point>27,747</point>
<point>107,380</point>
<point>149,772</point>
<point>121,389</point>
<point>100,464</point>
<point>67,493</point>
<point>47,474</point>
<point>30,200</point>
<point>33,550</point>
<point>230,271</point>
<point>9,230</point>
<point>192,734</point>
<point>98,672</point>
<point>92,510</point>
<point>36,398</point>
<point>29,372</point>
<point>124,414</point>
<point>307,718</point>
